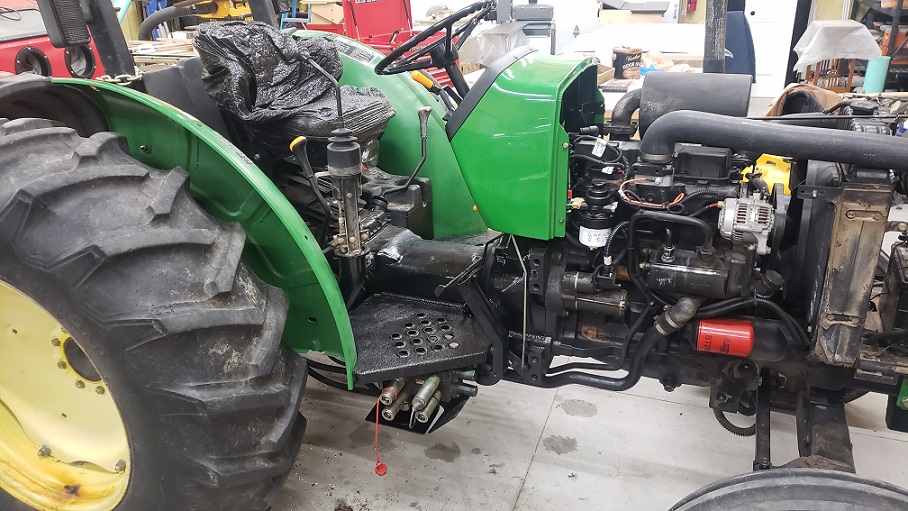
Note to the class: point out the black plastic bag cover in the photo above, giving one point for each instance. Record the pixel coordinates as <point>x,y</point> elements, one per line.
<point>261,77</point>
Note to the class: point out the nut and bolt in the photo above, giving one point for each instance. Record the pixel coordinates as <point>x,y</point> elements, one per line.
<point>55,341</point>
<point>850,214</point>
<point>145,148</point>
<point>44,451</point>
<point>80,384</point>
<point>565,145</point>
<point>99,390</point>
<point>120,466</point>
<point>61,364</point>
<point>364,236</point>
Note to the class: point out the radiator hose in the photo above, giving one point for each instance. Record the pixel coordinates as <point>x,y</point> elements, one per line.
<point>670,321</point>
<point>800,142</point>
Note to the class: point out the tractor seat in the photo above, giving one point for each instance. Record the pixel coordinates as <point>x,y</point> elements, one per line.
<point>261,77</point>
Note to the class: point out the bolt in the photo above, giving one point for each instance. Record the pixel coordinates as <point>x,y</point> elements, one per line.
<point>364,236</point>
<point>560,220</point>
<point>61,364</point>
<point>903,227</point>
<point>830,317</point>
<point>145,148</point>
<point>44,451</point>
<point>343,250</point>
<point>256,156</point>
<point>80,384</point>
<point>349,195</point>
<point>720,397</point>
<point>849,214</point>
<point>64,331</point>
<point>813,194</point>
<point>99,390</point>
<point>565,145</point>
<point>55,341</point>
<point>352,239</point>
<point>120,466</point>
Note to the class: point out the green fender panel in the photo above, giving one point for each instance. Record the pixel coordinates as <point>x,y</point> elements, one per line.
<point>512,150</point>
<point>452,203</point>
<point>280,248</point>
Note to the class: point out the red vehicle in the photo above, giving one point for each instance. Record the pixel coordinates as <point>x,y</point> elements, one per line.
<point>25,47</point>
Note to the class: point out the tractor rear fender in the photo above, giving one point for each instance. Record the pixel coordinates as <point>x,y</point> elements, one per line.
<point>280,249</point>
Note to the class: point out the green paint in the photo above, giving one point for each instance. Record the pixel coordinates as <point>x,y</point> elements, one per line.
<point>452,204</point>
<point>511,147</point>
<point>902,399</point>
<point>280,248</point>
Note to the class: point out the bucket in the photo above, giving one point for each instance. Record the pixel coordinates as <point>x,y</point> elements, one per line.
<point>626,62</point>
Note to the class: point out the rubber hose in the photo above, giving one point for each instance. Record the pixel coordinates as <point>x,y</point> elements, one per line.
<point>625,108</point>
<point>158,17</point>
<point>799,142</point>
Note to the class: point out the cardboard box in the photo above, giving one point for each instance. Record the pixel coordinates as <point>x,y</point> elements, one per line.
<point>615,17</point>
<point>604,73</point>
<point>326,14</point>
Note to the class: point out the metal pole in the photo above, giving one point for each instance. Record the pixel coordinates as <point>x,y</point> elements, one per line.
<point>714,50</point>
<point>894,30</point>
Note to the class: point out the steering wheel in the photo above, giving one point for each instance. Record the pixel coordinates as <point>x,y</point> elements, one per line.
<point>441,53</point>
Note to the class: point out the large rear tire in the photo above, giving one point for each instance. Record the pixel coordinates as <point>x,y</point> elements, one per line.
<point>157,313</point>
<point>796,489</point>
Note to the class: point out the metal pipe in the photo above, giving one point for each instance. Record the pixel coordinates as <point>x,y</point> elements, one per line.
<point>865,149</point>
<point>714,45</point>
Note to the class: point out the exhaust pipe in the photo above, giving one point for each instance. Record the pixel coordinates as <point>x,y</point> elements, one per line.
<point>800,142</point>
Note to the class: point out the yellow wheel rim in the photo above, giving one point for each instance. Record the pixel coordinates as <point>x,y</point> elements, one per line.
<point>63,444</point>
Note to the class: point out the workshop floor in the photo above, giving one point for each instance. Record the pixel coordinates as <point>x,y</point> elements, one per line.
<point>515,448</point>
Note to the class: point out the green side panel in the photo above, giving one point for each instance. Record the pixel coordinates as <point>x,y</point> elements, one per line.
<point>280,248</point>
<point>452,208</point>
<point>902,400</point>
<point>513,150</point>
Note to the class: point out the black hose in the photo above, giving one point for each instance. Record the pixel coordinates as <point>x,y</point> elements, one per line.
<point>607,248</point>
<point>341,386</point>
<point>793,329</point>
<point>799,142</point>
<point>732,428</point>
<point>625,108</point>
<point>661,216</point>
<point>155,19</point>
<point>672,320</point>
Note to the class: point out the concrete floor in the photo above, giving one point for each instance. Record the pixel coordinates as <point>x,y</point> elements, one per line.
<point>516,448</point>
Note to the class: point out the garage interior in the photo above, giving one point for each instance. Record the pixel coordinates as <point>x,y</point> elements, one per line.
<point>274,255</point>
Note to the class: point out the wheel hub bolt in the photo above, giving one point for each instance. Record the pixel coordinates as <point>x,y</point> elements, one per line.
<point>44,451</point>
<point>120,466</point>
<point>99,390</point>
<point>55,341</point>
<point>80,384</point>
<point>61,364</point>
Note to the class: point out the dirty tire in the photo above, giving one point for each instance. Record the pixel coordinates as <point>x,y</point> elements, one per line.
<point>796,489</point>
<point>187,339</point>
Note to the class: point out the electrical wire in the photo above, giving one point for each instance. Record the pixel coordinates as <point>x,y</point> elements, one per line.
<point>623,193</point>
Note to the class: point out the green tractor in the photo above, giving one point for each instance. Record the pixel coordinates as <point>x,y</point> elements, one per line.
<point>172,242</point>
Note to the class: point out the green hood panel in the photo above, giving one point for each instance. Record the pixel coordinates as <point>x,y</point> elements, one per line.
<point>229,186</point>
<point>512,148</point>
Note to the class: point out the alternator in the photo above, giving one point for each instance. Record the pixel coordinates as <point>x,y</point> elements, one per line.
<point>747,220</point>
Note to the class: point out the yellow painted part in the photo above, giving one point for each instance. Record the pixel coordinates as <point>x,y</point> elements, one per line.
<point>47,407</point>
<point>773,169</point>
<point>420,78</point>
<point>228,9</point>
<point>297,140</point>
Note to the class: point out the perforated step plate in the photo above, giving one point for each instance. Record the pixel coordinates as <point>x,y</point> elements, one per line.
<point>398,336</point>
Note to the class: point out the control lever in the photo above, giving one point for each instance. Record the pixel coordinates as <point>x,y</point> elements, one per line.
<point>423,114</point>
<point>298,148</point>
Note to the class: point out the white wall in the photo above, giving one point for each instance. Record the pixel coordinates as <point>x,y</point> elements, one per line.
<point>568,14</point>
